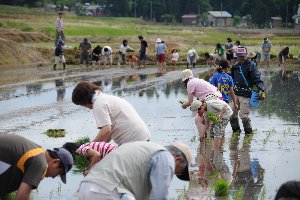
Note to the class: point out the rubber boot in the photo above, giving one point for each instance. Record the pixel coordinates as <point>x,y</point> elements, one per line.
<point>64,65</point>
<point>187,65</point>
<point>54,66</point>
<point>234,122</point>
<point>194,64</point>
<point>247,125</point>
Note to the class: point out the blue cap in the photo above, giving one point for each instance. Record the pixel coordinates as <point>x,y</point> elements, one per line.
<point>60,41</point>
<point>66,159</point>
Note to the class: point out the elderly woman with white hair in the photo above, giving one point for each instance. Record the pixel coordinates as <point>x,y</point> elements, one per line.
<point>198,88</point>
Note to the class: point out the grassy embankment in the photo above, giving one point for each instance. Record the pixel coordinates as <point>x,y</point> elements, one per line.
<point>111,31</point>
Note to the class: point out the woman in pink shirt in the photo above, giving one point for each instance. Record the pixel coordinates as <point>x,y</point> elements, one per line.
<point>198,88</point>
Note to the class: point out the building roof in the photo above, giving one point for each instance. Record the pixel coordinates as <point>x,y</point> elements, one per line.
<point>276,18</point>
<point>189,16</point>
<point>220,13</point>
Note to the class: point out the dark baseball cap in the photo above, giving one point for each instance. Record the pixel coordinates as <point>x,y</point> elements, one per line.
<point>66,160</point>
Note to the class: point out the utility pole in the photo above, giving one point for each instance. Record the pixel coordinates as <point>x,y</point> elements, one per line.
<point>135,8</point>
<point>151,10</point>
<point>221,12</point>
<point>287,12</point>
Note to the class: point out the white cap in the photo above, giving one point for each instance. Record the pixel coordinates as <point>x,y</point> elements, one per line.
<point>158,40</point>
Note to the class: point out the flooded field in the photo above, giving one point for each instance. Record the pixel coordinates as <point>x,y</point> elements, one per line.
<point>33,100</point>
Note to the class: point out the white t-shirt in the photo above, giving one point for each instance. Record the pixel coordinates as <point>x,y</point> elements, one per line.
<point>123,49</point>
<point>175,57</point>
<point>216,105</point>
<point>108,52</point>
<point>126,124</point>
<point>234,50</point>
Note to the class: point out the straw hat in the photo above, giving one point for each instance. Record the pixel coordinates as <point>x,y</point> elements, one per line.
<point>251,54</point>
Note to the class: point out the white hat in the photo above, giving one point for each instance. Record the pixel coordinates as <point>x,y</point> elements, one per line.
<point>188,155</point>
<point>195,105</point>
<point>241,51</point>
<point>158,40</point>
<point>187,73</point>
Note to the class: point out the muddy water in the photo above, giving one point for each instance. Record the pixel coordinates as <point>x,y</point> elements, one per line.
<point>32,104</point>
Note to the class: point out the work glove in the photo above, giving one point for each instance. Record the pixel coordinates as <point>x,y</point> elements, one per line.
<point>261,95</point>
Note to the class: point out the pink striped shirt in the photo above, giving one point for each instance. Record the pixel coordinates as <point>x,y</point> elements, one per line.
<point>102,147</point>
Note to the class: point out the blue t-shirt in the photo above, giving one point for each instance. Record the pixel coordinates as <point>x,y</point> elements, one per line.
<point>160,48</point>
<point>223,82</point>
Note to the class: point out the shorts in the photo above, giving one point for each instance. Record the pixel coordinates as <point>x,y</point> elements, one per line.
<point>84,57</point>
<point>59,59</point>
<point>229,57</point>
<point>265,56</point>
<point>218,129</point>
<point>143,56</point>
<point>161,58</point>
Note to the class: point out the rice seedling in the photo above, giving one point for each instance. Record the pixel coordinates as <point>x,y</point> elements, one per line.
<point>221,187</point>
<point>182,194</point>
<point>55,133</point>
<point>80,162</point>
<point>238,195</point>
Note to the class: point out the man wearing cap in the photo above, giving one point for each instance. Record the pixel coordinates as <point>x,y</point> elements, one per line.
<point>191,58</point>
<point>23,164</point>
<point>137,170</point>
<point>245,76</point>
<point>266,46</point>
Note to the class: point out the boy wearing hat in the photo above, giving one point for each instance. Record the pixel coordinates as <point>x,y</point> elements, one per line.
<point>160,49</point>
<point>140,170</point>
<point>23,164</point>
<point>219,108</point>
<point>245,77</point>
<point>266,46</point>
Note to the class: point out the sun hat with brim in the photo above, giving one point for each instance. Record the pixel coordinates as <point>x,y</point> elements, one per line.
<point>186,74</point>
<point>251,54</point>
<point>158,40</point>
<point>188,155</point>
<point>66,159</point>
<point>195,105</point>
<point>241,51</point>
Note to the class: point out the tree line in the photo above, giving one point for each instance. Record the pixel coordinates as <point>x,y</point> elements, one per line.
<point>172,10</point>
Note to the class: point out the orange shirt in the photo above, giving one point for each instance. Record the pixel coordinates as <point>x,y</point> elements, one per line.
<point>133,59</point>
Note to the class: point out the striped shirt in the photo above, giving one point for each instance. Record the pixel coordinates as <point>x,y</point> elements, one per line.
<point>102,147</point>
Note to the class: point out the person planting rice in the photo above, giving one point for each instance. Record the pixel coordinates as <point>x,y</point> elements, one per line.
<point>137,170</point>
<point>23,164</point>
<point>93,151</point>
<point>216,113</point>
<point>115,117</point>
<point>198,88</point>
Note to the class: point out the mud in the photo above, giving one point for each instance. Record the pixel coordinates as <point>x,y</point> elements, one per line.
<point>34,99</point>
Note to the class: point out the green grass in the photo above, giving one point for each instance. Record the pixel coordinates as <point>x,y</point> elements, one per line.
<point>13,24</point>
<point>16,10</point>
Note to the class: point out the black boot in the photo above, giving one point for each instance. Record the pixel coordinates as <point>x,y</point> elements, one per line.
<point>194,65</point>
<point>247,125</point>
<point>187,65</point>
<point>234,122</point>
<point>54,66</point>
<point>64,65</point>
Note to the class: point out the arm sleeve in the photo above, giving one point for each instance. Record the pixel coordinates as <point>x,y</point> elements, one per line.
<point>161,168</point>
<point>102,116</point>
<point>213,81</point>
<point>255,77</point>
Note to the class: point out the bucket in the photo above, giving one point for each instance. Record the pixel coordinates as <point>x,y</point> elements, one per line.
<point>254,100</point>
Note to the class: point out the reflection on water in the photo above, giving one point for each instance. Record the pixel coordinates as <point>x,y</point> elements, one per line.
<point>255,166</point>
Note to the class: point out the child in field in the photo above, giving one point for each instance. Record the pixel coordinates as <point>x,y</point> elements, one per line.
<point>59,54</point>
<point>224,82</point>
<point>283,55</point>
<point>132,61</point>
<point>93,151</point>
<point>175,57</point>
<point>212,105</point>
